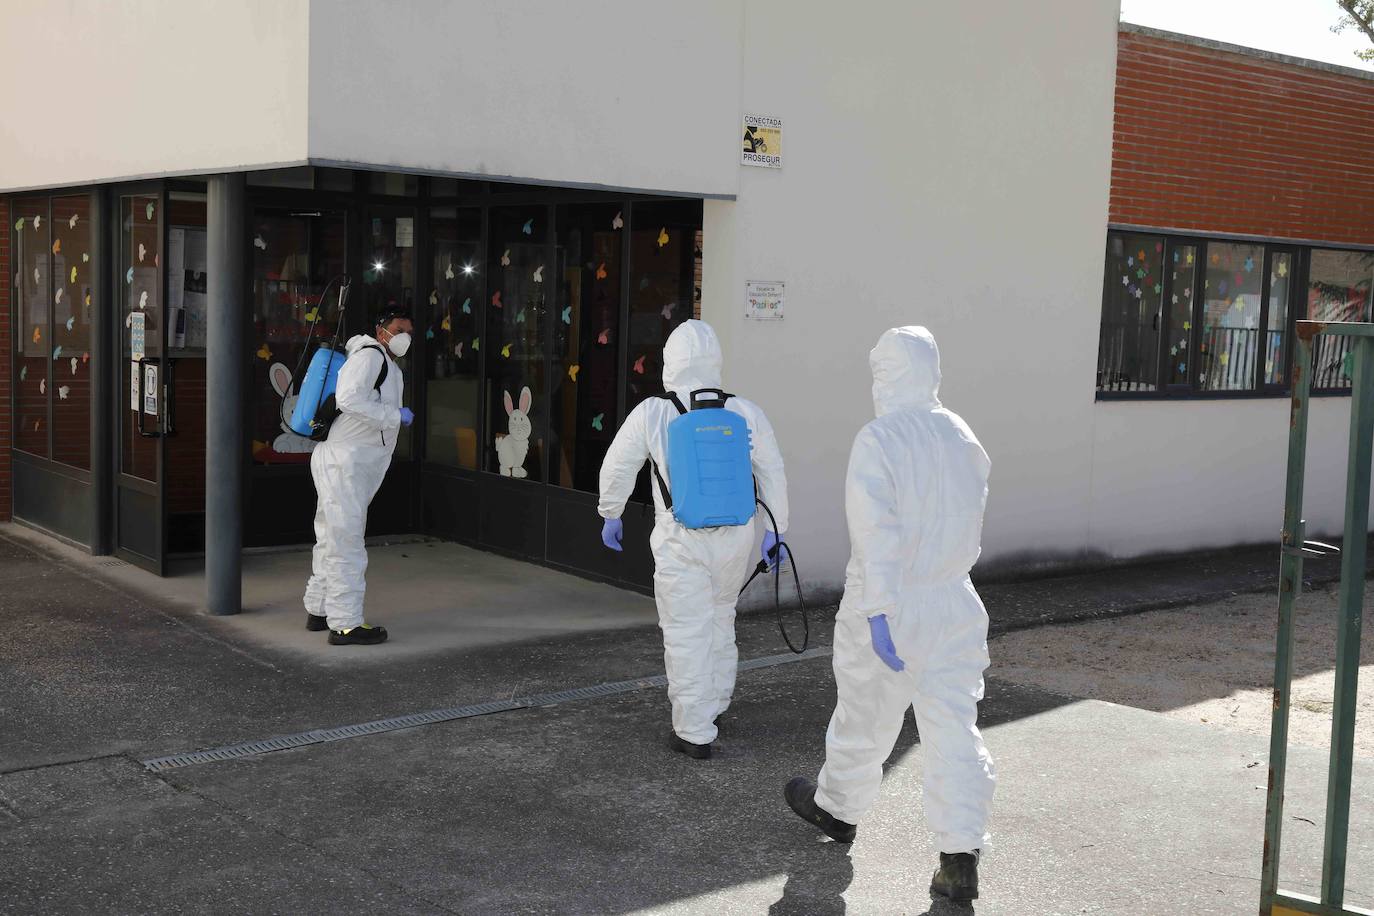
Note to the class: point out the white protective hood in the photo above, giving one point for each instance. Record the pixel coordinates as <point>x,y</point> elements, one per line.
<point>906,371</point>
<point>691,359</point>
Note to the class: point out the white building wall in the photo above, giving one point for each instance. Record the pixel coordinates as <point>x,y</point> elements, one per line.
<point>637,94</point>
<point>945,164</point>
<point>98,91</point>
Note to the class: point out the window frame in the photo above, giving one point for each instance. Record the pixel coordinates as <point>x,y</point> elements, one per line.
<point>1300,252</point>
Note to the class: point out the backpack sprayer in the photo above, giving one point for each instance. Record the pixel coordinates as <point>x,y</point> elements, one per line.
<point>709,458</point>
<point>316,389</point>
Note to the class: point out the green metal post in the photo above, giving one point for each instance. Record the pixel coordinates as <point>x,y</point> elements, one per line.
<point>1290,582</point>
<point>1353,562</point>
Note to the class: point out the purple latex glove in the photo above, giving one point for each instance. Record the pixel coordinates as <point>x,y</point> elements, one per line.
<point>770,543</point>
<point>882,642</point>
<point>407,416</point>
<point>612,532</point>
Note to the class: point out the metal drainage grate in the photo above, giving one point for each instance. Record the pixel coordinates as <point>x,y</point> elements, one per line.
<point>434,716</point>
<point>111,564</point>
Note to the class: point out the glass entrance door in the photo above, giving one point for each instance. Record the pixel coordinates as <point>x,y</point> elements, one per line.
<point>142,401</point>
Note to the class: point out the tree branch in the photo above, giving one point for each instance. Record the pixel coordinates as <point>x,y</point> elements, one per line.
<point>1360,14</point>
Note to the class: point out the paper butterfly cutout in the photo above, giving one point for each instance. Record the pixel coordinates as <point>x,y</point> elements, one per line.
<point>1175,257</point>
<point>604,337</point>
<point>429,333</point>
<point>662,237</point>
<point>37,335</point>
<point>1141,254</point>
<point>129,277</point>
<point>668,311</point>
<point>57,246</point>
<point>567,315</point>
<point>85,358</point>
<point>505,351</point>
<point>639,365</point>
<point>149,210</point>
<point>458,349</point>
<point>601,271</point>
<point>63,392</point>
<point>528,228</point>
<point>1175,298</point>
<point>19,224</point>
<point>505,258</point>
<point>643,282</point>
<point>143,299</point>
<point>448,271</point>
<point>57,297</point>
<point>539,274</point>
<point>71,223</point>
<point>71,322</point>
<point>88,300</point>
<point>74,362</point>
<point>476,344</point>
<point>1216,259</point>
<point>73,280</point>
<point>37,221</point>
<point>23,372</point>
<point>619,221</point>
<point>596,421</point>
<point>259,243</point>
<point>496,299</point>
<point>85,257</point>
<point>467,306</point>
<point>142,252</point>
<point>36,424</point>
<point>57,352</point>
<point>434,297</point>
<point>129,320</point>
<point>446,324</point>
<point>313,315</point>
<point>520,317</point>
<point>264,353</point>
<point>42,387</point>
<point>572,372</point>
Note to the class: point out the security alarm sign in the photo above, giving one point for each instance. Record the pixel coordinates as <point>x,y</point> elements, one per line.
<point>762,142</point>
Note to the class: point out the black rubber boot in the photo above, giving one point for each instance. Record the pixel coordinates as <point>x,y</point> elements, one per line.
<point>316,623</point>
<point>363,635</point>
<point>801,798</point>
<point>957,877</point>
<point>683,746</point>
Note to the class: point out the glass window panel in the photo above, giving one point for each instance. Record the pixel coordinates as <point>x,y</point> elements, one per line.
<point>1233,285</point>
<point>389,282</point>
<point>140,259</point>
<point>516,316</point>
<point>449,326</point>
<point>1182,266</point>
<point>73,240</point>
<point>1339,285</point>
<point>333,180</point>
<point>1280,293</point>
<point>586,322</point>
<point>1132,299</point>
<point>665,266</point>
<point>393,184</point>
<point>33,295</point>
<point>185,288</point>
<point>295,256</point>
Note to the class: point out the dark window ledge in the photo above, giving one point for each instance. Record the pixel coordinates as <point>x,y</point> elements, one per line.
<point>1212,395</point>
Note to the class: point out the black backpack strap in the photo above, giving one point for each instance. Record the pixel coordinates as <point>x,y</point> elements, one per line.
<point>672,396</point>
<point>663,484</point>
<point>381,376</point>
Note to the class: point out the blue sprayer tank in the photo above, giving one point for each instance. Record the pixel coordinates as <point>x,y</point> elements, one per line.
<point>709,464</point>
<point>316,388</point>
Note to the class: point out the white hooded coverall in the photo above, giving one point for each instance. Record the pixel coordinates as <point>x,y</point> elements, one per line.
<point>697,572</point>
<point>914,498</point>
<point>348,468</point>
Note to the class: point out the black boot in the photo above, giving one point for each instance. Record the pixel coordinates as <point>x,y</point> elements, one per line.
<point>957,878</point>
<point>801,798</point>
<point>683,746</point>
<point>316,622</point>
<point>361,635</point>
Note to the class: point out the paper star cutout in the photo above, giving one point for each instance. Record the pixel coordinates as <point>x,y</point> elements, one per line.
<point>1282,269</point>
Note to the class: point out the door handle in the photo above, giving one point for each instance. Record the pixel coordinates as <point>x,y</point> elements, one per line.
<point>142,393</point>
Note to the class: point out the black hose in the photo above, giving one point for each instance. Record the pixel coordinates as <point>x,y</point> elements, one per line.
<point>762,568</point>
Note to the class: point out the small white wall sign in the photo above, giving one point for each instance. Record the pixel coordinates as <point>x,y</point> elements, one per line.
<point>763,300</point>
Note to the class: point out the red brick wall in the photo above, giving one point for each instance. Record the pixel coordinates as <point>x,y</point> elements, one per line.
<point>1214,140</point>
<point>6,348</point>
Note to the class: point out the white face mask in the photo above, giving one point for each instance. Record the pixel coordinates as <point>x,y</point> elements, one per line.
<point>399,344</point>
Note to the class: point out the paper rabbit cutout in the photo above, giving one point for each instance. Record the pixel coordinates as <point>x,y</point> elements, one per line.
<point>512,449</point>
<point>288,443</point>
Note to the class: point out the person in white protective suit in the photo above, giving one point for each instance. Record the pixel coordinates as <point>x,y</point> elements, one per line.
<point>348,468</point>
<point>698,573</point>
<point>911,630</point>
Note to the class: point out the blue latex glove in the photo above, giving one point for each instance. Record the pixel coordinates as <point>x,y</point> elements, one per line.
<point>407,416</point>
<point>770,542</point>
<point>612,532</point>
<point>882,642</point>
